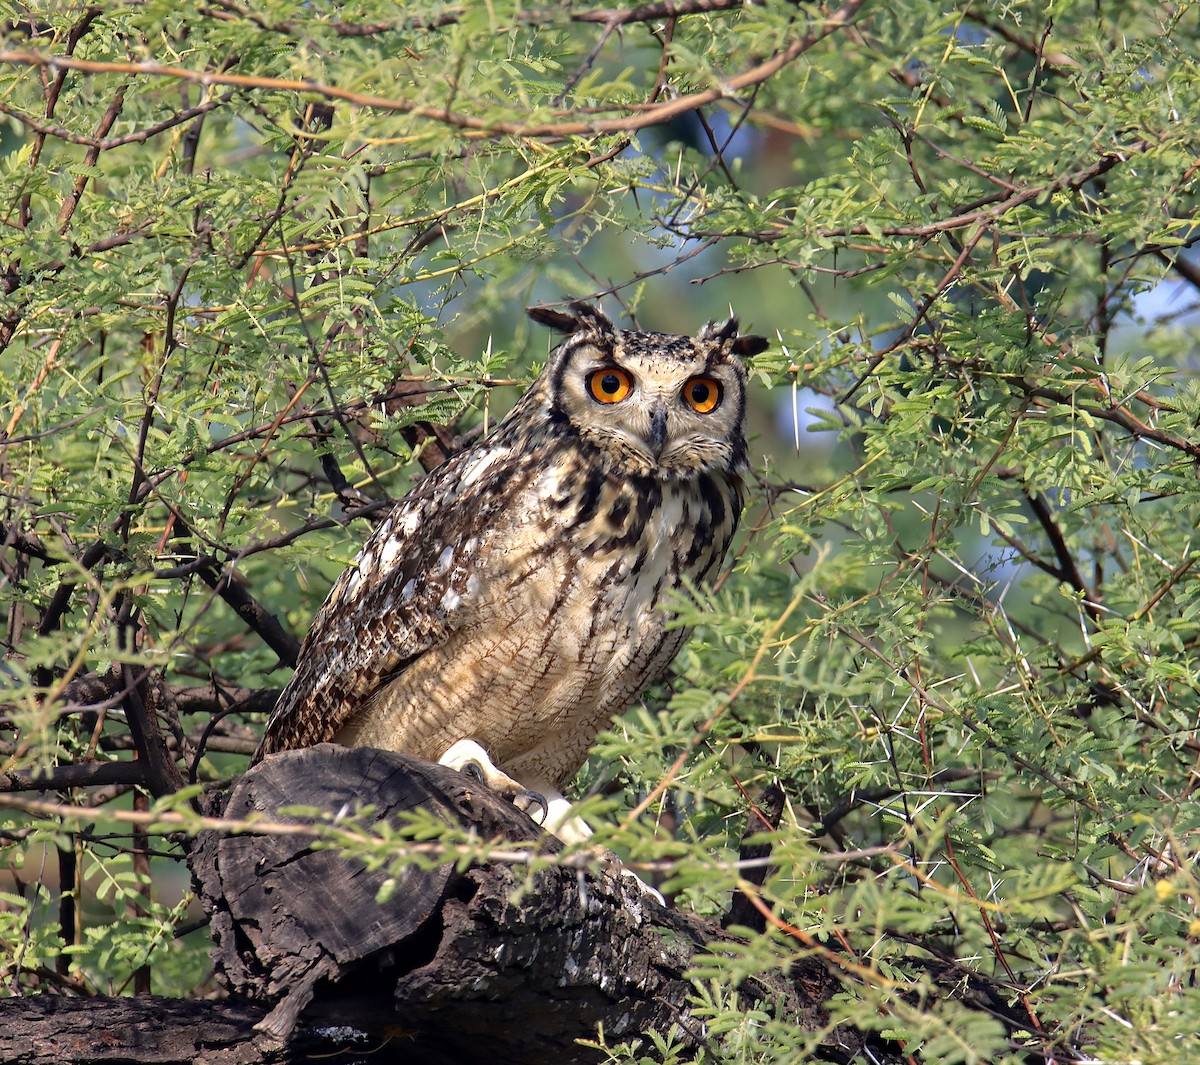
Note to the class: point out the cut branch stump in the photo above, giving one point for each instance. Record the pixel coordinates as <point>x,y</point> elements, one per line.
<point>525,963</point>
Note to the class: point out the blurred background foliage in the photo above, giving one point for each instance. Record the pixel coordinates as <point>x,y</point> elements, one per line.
<point>261,264</point>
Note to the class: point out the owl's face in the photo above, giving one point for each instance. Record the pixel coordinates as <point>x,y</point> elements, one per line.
<point>655,404</point>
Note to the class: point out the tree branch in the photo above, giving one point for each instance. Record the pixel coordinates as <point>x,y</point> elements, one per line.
<point>80,775</point>
<point>643,117</point>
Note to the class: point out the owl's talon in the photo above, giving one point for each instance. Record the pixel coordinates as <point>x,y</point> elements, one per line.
<point>525,800</point>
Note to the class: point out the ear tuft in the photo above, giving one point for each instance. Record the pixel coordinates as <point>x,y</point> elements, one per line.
<point>579,316</point>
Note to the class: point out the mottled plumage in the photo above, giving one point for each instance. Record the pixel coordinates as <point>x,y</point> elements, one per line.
<point>514,596</point>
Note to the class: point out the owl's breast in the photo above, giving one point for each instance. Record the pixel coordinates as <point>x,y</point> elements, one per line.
<point>588,592</point>
<point>556,617</point>
<point>620,545</point>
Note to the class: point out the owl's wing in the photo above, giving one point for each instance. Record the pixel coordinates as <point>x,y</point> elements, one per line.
<point>407,591</point>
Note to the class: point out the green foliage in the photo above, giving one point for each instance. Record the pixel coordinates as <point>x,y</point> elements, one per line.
<point>962,626</point>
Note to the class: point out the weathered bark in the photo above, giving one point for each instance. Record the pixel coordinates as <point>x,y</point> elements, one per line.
<point>524,964</point>
<point>56,1030</point>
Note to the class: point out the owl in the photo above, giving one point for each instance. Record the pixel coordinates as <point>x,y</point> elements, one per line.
<point>513,602</point>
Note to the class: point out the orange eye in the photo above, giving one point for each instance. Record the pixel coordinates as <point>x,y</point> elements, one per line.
<point>702,394</point>
<point>609,386</point>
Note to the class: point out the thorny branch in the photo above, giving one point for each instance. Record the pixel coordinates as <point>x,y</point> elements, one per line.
<point>226,9</point>
<point>642,116</point>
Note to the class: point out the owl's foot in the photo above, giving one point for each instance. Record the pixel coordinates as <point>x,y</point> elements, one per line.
<point>557,817</point>
<point>468,757</point>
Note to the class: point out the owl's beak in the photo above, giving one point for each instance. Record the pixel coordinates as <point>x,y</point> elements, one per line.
<point>658,429</point>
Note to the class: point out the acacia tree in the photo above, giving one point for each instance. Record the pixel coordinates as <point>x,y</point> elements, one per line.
<point>263,264</point>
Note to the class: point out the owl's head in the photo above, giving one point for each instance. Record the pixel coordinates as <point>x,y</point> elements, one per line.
<point>655,404</point>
